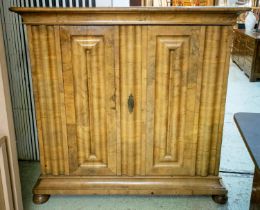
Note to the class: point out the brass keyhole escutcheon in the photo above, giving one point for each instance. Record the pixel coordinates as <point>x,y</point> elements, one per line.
<point>131,103</point>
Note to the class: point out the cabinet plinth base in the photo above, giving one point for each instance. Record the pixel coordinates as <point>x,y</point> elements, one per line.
<point>40,198</point>
<point>179,185</point>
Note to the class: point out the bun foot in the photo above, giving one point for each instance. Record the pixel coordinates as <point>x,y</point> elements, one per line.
<point>40,199</point>
<point>220,199</point>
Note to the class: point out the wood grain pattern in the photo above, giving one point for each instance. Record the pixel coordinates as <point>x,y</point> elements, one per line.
<point>246,52</point>
<point>173,63</point>
<point>132,83</point>
<point>212,98</point>
<point>177,185</point>
<point>255,196</point>
<point>49,98</point>
<point>89,80</point>
<point>132,106</point>
<point>129,16</point>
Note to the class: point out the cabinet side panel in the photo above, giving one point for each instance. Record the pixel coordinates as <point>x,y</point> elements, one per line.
<point>226,50</point>
<point>44,47</point>
<point>35,92</point>
<point>212,99</point>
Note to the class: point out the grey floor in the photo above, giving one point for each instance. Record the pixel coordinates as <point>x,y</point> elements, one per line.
<point>236,168</point>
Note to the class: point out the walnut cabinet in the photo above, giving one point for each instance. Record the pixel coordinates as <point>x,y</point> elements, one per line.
<point>129,100</point>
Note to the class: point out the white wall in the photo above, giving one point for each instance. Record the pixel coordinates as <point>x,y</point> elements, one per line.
<point>114,3</point>
<point>121,3</point>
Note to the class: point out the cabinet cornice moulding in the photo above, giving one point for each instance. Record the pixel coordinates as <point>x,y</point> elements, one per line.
<point>131,15</point>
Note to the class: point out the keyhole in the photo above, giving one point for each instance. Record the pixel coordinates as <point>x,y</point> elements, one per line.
<point>131,103</point>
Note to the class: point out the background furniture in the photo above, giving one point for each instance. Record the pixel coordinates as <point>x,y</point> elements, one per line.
<point>173,2</point>
<point>130,100</point>
<point>246,52</point>
<point>248,125</point>
<point>183,2</point>
<point>136,2</point>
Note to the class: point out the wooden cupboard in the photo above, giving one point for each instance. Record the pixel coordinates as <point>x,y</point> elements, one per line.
<point>246,52</point>
<point>130,100</point>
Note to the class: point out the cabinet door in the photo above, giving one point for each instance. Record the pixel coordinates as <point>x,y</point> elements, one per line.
<point>173,83</point>
<point>89,85</point>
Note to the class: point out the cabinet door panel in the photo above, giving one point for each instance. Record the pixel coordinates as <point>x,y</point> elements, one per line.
<point>174,63</point>
<point>89,81</point>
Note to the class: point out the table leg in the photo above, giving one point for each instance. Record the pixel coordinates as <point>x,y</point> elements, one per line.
<point>255,197</point>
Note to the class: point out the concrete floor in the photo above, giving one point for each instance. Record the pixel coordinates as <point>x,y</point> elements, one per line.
<point>236,168</point>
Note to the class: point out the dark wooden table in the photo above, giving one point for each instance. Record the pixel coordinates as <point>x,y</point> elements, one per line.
<point>249,128</point>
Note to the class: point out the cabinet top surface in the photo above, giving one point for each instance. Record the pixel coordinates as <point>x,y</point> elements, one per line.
<point>214,9</point>
<point>131,15</point>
